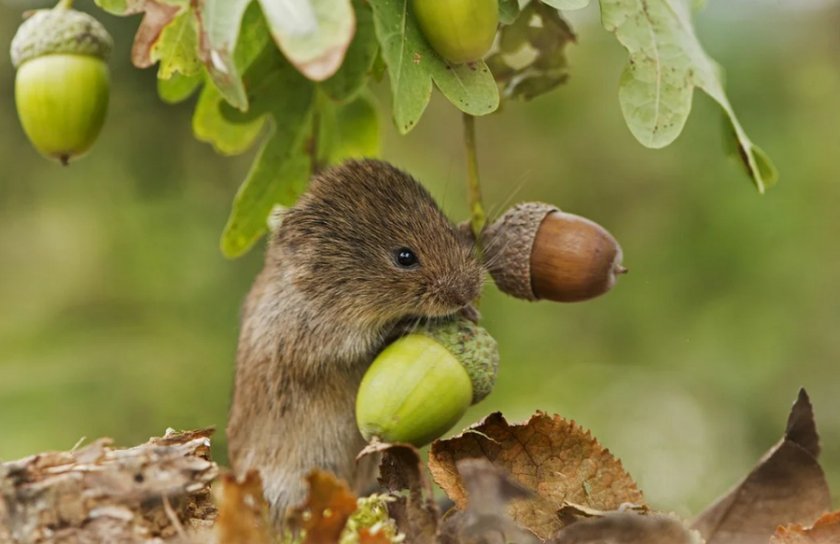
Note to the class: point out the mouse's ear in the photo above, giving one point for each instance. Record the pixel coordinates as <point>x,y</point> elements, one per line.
<point>275,218</point>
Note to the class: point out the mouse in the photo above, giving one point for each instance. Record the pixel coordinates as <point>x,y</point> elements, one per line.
<point>363,255</point>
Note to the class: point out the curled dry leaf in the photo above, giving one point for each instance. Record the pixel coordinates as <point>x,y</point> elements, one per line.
<point>243,512</point>
<point>555,458</point>
<point>402,473</point>
<point>571,512</point>
<point>627,528</point>
<point>326,510</point>
<point>787,486</point>
<point>825,530</point>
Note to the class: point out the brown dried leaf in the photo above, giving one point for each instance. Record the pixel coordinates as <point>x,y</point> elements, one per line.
<point>243,512</point>
<point>570,512</point>
<point>825,530</point>
<point>627,528</point>
<point>156,17</point>
<point>367,537</point>
<point>325,512</point>
<point>553,457</point>
<point>787,486</point>
<point>403,474</point>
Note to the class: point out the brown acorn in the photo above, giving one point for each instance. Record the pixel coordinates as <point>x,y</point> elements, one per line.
<point>535,251</point>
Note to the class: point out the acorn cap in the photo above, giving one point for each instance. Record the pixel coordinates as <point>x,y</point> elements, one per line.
<point>60,30</point>
<point>474,348</point>
<point>508,242</point>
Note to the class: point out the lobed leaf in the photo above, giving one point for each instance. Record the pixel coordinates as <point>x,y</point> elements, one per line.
<point>326,510</point>
<point>554,458</point>
<point>178,87</point>
<point>531,57</point>
<point>826,530</point>
<point>666,63</point>
<point>413,66</point>
<point>349,80</point>
<point>283,165</point>
<point>313,34</point>
<point>348,131</point>
<point>212,126</point>
<point>220,24</point>
<point>176,47</point>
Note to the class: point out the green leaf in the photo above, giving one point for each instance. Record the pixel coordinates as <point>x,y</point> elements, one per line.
<point>348,131</point>
<point>281,169</point>
<point>313,34</point>
<point>176,47</point>
<point>358,62</point>
<point>413,65</point>
<point>223,26</point>
<point>212,126</point>
<point>178,87</point>
<point>666,63</point>
<point>531,57</point>
<point>567,4</point>
<point>508,11</point>
<point>278,176</point>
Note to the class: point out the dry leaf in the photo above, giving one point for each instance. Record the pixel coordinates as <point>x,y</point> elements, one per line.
<point>825,530</point>
<point>555,458</point>
<point>325,512</point>
<point>156,17</point>
<point>627,528</point>
<point>402,473</point>
<point>243,512</point>
<point>787,486</point>
<point>571,512</point>
<point>368,537</point>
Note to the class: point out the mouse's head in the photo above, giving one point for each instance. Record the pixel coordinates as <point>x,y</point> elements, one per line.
<point>368,241</point>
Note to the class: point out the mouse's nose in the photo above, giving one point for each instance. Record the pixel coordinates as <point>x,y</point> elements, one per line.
<point>458,292</point>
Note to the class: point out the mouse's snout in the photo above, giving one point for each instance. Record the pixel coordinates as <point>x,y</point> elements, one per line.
<point>457,292</point>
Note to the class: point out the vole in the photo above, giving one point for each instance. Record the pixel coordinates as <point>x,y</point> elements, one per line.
<point>364,251</point>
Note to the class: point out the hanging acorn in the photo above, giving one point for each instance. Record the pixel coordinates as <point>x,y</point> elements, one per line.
<point>61,86</point>
<point>535,251</point>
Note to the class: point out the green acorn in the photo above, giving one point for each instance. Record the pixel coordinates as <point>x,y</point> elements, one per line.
<point>422,383</point>
<point>61,87</point>
<point>459,30</point>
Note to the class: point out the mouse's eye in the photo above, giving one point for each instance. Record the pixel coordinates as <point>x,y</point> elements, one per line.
<point>406,258</point>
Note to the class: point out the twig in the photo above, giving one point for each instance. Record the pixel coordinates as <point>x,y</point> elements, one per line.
<point>477,216</point>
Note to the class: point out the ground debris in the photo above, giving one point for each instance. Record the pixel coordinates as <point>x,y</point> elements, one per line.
<point>158,491</point>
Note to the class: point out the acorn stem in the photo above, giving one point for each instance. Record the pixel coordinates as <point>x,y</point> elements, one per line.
<point>64,4</point>
<point>477,216</point>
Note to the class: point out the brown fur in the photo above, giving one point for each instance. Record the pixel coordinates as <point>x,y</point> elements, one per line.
<point>321,309</point>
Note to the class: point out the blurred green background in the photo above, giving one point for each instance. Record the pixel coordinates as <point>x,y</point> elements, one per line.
<point>119,314</point>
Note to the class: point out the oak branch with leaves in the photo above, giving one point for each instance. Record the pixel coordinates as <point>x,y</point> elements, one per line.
<point>292,76</point>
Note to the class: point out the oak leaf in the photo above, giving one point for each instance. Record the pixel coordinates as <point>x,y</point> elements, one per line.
<point>243,512</point>
<point>825,530</point>
<point>403,475</point>
<point>787,486</point>
<point>327,507</point>
<point>552,457</point>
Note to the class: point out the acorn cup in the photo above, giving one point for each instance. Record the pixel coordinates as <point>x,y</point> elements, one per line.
<point>535,251</point>
<point>422,383</point>
<point>458,30</point>
<point>61,86</point>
